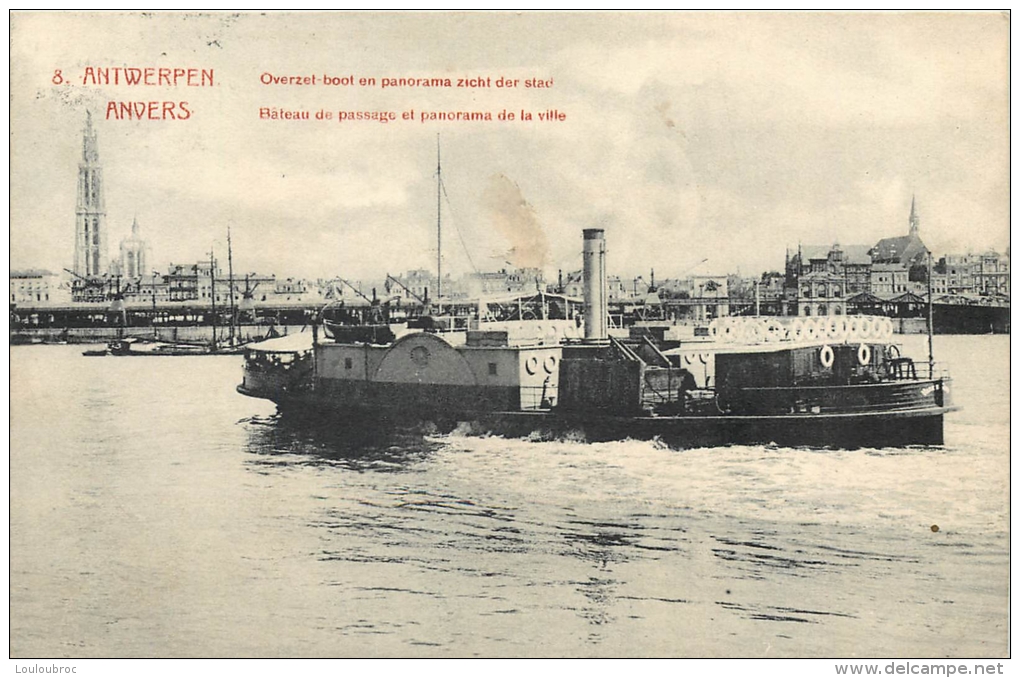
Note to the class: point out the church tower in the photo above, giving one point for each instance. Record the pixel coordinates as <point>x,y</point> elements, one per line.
<point>134,254</point>
<point>915,221</point>
<point>90,213</point>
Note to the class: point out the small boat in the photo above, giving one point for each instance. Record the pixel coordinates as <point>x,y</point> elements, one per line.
<point>136,346</point>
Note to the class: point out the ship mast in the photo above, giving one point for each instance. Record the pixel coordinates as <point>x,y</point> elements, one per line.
<point>212,292</point>
<point>439,227</point>
<point>230,277</point>
<point>931,325</point>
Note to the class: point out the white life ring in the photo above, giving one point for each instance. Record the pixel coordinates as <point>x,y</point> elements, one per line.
<point>796,332</point>
<point>867,327</point>
<point>810,329</point>
<point>531,365</point>
<point>774,331</point>
<point>753,333</point>
<point>826,356</point>
<point>733,333</point>
<point>834,328</point>
<point>844,328</point>
<point>549,364</point>
<point>864,354</point>
<point>887,328</point>
<point>854,328</point>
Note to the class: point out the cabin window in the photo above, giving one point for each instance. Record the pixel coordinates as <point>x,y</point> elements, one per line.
<point>348,363</point>
<point>492,370</point>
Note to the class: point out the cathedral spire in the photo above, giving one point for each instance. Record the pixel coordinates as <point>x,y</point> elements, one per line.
<point>90,210</point>
<point>915,221</point>
<point>90,148</point>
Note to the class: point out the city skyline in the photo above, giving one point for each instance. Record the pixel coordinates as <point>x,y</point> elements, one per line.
<point>681,146</point>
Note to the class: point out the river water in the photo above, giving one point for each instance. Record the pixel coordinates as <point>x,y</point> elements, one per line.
<point>157,513</point>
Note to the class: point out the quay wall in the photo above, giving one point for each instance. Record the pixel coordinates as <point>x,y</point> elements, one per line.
<point>100,335</point>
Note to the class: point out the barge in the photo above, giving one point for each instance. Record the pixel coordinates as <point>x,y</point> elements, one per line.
<point>838,381</point>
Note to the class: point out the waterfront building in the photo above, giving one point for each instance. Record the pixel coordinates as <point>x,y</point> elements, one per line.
<point>90,245</point>
<point>985,274</point>
<point>959,272</point>
<point>37,287</point>
<point>889,279</point>
<point>505,281</point>
<point>418,284</point>
<point>711,296</point>
<point>908,251</point>
<point>993,274</point>
<point>572,284</point>
<point>615,288</point>
<point>817,279</point>
<point>821,293</point>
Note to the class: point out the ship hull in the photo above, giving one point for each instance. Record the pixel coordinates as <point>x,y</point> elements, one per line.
<point>849,430</point>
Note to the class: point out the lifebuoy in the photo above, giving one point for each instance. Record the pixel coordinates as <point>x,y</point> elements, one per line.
<point>833,328</point>
<point>734,333</point>
<point>868,327</point>
<point>810,329</point>
<point>796,332</point>
<point>531,365</point>
<point>549,364</point>
<point>864,354</point>
<point>753,333</point>
<point>844,328</point>
<point>826,356</point>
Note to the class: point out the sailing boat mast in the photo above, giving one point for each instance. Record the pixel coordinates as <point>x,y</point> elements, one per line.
<point>439,225</point>
<point>230,275</point>
<point>212,292</point>
<point>931,325</point>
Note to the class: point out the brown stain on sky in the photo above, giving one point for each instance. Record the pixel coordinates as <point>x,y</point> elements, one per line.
<point>516,220</point>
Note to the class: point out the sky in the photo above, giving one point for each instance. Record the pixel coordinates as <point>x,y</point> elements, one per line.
<point>702,142</point>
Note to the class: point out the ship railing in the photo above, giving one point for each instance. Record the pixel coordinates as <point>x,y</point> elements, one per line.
<point>907,369</point>
<point>539,397</point>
